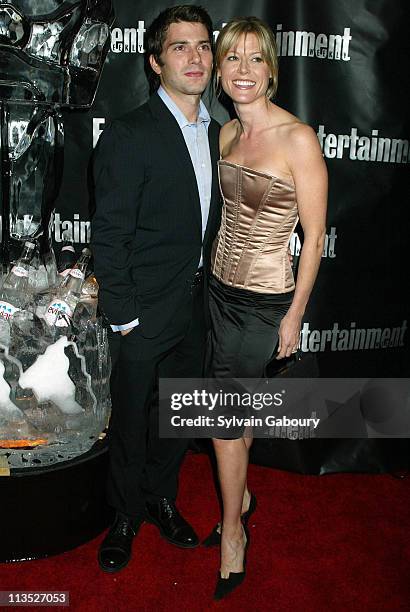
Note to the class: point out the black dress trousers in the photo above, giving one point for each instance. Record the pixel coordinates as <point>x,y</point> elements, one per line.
<point>142,466</point>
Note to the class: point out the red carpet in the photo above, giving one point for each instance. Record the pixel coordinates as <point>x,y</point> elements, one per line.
<point>319,543</point>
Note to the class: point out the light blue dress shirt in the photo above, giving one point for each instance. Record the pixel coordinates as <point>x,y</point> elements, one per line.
<point>196,140</point>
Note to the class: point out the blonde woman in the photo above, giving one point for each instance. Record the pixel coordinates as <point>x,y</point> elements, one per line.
<point>272,174</point>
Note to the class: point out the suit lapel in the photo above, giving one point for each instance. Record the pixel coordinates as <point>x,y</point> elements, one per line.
<point>177,151</point>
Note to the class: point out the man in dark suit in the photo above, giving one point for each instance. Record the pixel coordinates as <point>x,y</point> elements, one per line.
<point>157,213</point>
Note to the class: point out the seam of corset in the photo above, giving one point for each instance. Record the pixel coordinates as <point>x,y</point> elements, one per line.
<point>238,198</point>
<point>221,245</point>
<point>219,255</point>
<point>262,202</point>
<point>260,249</point>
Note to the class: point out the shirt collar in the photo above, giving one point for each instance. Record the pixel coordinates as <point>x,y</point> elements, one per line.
<point>203,115</point>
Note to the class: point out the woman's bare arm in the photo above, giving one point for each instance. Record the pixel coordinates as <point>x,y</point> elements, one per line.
<point>309,172</point>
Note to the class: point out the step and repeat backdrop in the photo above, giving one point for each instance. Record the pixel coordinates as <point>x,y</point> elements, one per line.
<point>343,69</point>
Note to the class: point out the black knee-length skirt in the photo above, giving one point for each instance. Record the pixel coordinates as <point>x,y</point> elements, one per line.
<point>244,334</point>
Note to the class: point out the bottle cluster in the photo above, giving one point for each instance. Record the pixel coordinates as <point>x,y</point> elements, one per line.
<point>16,293</point>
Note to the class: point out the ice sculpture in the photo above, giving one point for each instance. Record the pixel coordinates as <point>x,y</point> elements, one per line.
<point>8,410</point>
<point>55,395</point>
<point>51,56</point>
<point>54,383</point>
<point>48,378</point>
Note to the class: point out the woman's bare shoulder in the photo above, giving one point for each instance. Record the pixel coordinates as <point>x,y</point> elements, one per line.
<point>230,126</point>
<point>290,125</point>
<point>302,148</point>
<point>294,127</point>
<point>227,134</point>
<point>301,132</point>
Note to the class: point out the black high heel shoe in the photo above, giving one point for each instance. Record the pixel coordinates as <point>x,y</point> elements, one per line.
<point>214,538</point>
<point>224,586</point>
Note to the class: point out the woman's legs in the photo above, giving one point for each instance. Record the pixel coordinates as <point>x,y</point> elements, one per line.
<point>232,458</point>
<point>246,495</point>
<point>243,339</point>
<point>246,499</point>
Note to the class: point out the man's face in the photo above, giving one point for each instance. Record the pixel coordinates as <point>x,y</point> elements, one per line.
<point>186,59</point>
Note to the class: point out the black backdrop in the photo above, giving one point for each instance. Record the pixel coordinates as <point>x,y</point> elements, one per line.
<point>343,69</point>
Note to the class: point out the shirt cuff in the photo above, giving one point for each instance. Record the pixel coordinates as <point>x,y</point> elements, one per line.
<point>117,328</point>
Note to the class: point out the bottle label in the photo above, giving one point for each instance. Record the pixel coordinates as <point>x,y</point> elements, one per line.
<point>77,273</point>
<point>7,310</point>
<point>65,272</point>
<point>58,313</point>
<point>19,271</point>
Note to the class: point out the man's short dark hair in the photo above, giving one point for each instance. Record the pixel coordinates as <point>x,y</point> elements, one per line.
<point>157,33</point>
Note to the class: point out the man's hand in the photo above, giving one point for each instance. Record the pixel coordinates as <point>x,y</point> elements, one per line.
<point>124,332</point>
<point>290,256</point>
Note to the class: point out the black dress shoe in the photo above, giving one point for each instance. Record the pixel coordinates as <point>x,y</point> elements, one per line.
<point>224,586</point>
<point>214,538</point>
<point>115,549</point>
<point>172,526</point>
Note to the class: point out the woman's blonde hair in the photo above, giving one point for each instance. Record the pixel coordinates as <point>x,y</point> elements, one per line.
<point>228,37</point>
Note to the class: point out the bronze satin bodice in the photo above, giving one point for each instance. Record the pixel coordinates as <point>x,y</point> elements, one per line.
<point>258,217</point>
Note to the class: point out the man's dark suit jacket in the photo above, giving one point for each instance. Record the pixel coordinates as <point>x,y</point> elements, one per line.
<point>146,230</point>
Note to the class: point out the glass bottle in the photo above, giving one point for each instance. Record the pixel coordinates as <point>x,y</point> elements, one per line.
<point>66,258</point>
<point>62,306</point>
<point>14,293</point>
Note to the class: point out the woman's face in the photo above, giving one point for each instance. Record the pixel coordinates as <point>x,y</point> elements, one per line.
<point>244,73</point>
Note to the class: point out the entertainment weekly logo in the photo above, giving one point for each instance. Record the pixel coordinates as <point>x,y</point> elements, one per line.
<point>373,148</point>
<point>79,231</point>
<point>76,229</point>
<point>353,338</point>
<point>290,43</point>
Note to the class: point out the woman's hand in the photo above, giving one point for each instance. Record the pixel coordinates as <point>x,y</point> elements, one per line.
<point>289,333</point>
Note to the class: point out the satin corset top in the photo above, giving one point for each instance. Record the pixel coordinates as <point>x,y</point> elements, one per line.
<point>258,217</point>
